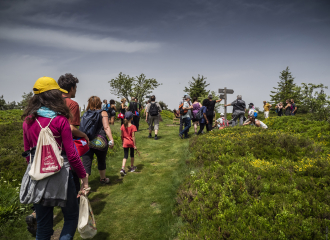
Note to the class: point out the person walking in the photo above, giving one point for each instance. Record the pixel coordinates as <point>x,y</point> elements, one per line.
<point>293,108</point>
<point>47,108</point>
<point>129,143</point>
<point>181,121</point>
<point>112,112</point>
<point>134,107</point>
<point>238,110</point>
<point>287,108</point>
<point>210,111</point>
<point>203,121</point>
<point>105,105</point>
<point>152,116</point>
<point>99,144</point>
<point>186,118</point>
<point>266,109</point>
<point>196,106</point>
<point>123,109</point>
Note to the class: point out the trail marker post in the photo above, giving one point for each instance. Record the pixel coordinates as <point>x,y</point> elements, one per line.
<point>224,92</point>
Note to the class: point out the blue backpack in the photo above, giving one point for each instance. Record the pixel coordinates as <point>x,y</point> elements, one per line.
<point>91,123</point>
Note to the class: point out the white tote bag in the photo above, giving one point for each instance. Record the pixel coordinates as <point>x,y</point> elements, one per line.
<point>47,159</point>
<point>86,222</point>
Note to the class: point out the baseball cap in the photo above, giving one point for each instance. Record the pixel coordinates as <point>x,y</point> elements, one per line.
<point>45,84</point>
<point>187,96</point>
<point>210,95</point>
<point>128,115</point>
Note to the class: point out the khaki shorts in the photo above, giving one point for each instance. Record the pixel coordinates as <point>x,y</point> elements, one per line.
<point>153,120</point>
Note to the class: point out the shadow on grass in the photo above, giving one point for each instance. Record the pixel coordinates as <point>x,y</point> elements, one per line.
<point>98,203</point>
<point>95,183</point>
<point>102,235</point>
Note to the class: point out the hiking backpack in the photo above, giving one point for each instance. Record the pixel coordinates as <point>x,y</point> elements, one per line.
<point>90,123</point>
<point>47,159</point>
<point>199,114</point>
<point>153,110</point>
<point>181,110</point>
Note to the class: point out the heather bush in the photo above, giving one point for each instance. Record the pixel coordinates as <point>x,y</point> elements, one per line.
<point>257,184</point>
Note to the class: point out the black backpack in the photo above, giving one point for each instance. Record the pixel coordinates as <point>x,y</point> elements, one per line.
<point>91,123</point>
<point>153,110</point>
<point>133,107</point>
<point>199,114</point>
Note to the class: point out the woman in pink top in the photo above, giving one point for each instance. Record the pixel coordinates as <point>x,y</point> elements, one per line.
<point>48,107</point>
<point>196,106</point>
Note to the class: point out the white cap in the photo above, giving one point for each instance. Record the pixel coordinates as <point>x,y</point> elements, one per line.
<point>221,114</point>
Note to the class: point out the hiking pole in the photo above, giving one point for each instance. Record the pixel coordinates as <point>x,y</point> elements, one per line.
<point>138,152</point>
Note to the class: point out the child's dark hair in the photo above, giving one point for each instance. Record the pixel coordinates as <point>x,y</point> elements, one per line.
<point>195,99</point>
<point>112,101</point>
<point>126,121</point>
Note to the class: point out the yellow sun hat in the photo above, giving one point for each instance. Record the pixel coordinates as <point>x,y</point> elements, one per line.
<point>45,84</point>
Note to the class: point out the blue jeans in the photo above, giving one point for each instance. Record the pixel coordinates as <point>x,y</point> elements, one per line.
<point>187,125</point>
<point>70,213</point>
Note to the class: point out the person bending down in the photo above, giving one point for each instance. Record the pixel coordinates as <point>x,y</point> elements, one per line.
<point>255,122</point>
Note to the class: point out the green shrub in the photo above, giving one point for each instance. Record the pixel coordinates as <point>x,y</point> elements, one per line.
<point>256,184</point>
<point>167,114</point>
<point>10,116</point>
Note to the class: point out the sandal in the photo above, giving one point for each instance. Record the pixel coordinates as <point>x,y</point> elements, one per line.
<point>105,180</point>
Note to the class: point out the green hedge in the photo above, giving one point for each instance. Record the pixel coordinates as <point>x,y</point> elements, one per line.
<point>256,184</point>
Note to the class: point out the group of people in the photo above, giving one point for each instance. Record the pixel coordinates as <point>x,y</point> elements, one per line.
<point>52,106</point>
<point>290,108</point>
<point>203,114</point>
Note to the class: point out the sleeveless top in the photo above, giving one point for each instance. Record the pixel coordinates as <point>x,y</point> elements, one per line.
<point>196,108</point>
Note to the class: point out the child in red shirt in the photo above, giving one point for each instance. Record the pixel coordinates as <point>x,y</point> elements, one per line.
<point>128,139</point>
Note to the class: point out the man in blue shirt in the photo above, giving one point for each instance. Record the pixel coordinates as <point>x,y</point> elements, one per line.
<point>203,121</point>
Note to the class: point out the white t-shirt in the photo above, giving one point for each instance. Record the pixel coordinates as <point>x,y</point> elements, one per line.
<point>262,125</point>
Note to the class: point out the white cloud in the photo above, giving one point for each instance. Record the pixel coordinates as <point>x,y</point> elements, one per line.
<point>74,41</point>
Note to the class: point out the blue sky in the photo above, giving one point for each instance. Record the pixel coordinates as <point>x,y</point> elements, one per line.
<point>236,44</point>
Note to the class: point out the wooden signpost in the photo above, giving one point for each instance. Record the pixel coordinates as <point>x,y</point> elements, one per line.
<point>224,92</point>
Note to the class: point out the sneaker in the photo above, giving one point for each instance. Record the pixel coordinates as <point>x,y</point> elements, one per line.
<point>31,221</point>
<point>122,172</point>
<point>132,169</point>
<point>149,136</point>
<point>156,138</point>
<point>181,136</point>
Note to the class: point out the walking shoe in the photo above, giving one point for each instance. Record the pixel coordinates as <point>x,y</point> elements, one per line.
<point>149,136</point>
<point>105,180</point>
<point>132,169</point>
<point>122,172</point>
<point>156,138</point>
<point>181,136</point>
<point>31,221</point>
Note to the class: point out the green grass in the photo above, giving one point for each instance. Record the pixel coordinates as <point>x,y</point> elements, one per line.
<point>141,205</point>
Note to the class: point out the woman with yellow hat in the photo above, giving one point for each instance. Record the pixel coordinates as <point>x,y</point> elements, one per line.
<point>47,107</point>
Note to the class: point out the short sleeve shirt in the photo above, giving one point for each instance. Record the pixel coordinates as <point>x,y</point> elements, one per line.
<point>157,104</point>
<point>188,114</point>
<point>238,105</point>
<point>266,107</point>
<point>75,112</point>
<point>210,108</point>
<point>127,135</point>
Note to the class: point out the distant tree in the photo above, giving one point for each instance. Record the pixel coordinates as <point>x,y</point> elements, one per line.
<point>163,105</point>
<point>26,98</point>
<point>2,103</point>
<point>197,87</point>
<point>122,85</point>
<point>143,86</point>
<point>126,86</point>
<point>316,102</point>
<point>286,89</point>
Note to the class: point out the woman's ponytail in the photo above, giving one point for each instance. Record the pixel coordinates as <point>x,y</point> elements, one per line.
<point>125,123</point>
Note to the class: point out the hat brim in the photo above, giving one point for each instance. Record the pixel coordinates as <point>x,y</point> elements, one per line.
<point>62,90</point>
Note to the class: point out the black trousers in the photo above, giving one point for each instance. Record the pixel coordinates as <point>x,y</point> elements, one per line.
<point>209,125</point>
<point>126,152</point>
<point>201,127</point>
<point>181,125</point>
<point>136,122</point>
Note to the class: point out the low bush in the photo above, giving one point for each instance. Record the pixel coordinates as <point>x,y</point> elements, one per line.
<point>10,116</point>
<point>256,184</point>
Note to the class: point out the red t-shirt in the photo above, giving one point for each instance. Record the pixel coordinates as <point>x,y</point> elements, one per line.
<point>126,136</point>
<point>75,112</point>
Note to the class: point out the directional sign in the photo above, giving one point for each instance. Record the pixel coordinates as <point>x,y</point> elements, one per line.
<point>222,96</point>
<point>228,91</point>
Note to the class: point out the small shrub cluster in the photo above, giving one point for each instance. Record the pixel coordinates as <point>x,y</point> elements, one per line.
<point>256,184</point>
<point>167,114</point>
<point>10,116</point>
